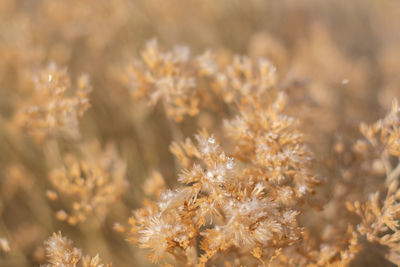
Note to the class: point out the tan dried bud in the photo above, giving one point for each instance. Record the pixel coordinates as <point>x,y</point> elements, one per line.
<point>4,245</point>
<point>61,215</point>
<point>119,228</point>
<point>51,195</point>
<point>339,147</point>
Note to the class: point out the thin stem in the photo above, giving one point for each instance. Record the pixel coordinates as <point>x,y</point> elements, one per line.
<point>386,164</point>
<point>393,174</point>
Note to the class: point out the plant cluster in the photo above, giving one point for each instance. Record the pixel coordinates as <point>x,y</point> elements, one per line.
<point>262,142</point>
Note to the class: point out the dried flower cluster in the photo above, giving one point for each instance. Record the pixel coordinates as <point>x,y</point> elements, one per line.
<point>380,215</point>
<point>243,202</point>
<point>262,142</point>
<point>49,111</point>
<point>89,183</point>
<point>171,77</point>
<point>382,137</point>
<point>60,252</point>
<point>247,201</point>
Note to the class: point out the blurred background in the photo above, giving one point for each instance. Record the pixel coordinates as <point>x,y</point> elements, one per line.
<point>342,56</point>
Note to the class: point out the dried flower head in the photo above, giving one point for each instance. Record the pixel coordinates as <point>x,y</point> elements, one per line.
<point>60,252</point>
<point>91,182</point>
<point>383,135</point>
<point>245,78</point>
<point>171,77</point>
<point>380,216</point>
<point>246,203</point>
<point>380,220</point>
<point>50,110</point>
<point>4,245</point>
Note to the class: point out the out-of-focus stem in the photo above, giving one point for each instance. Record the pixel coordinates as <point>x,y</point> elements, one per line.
<point>393,174</point>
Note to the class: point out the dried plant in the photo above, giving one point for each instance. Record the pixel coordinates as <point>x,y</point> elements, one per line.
<point>293,161</point>
<point>89,184</point>
<point>380,220</point>
<point>171,77</point>
<point>382,139</point>
<point>60,252</point>
<point>380,216</point>
<point>49,111</point>
<point>4,245</point>
<point>246,202</point>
